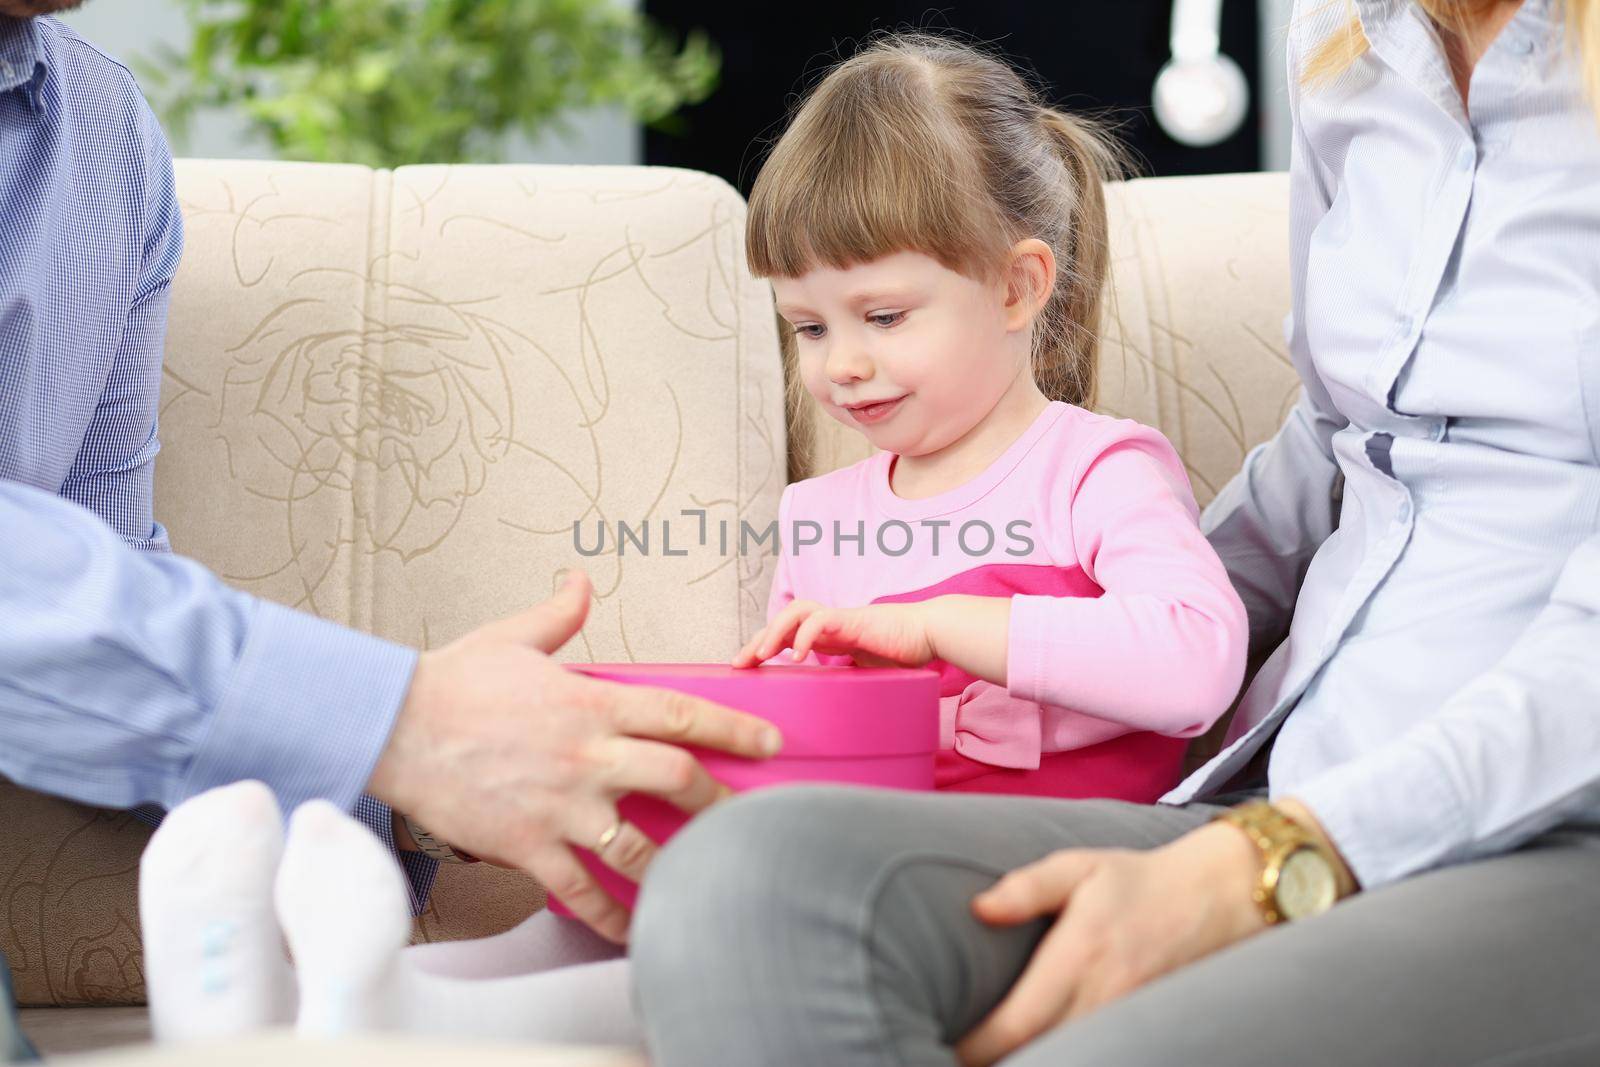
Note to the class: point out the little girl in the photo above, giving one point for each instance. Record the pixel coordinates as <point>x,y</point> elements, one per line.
<point>936,241</point>
<point>936,237</point>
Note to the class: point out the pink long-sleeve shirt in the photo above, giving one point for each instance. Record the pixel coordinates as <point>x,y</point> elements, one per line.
<point>1123,620</point>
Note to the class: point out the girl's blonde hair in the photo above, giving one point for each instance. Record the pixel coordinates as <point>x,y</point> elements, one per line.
<point>1348,44</point>
<point>923,143</point>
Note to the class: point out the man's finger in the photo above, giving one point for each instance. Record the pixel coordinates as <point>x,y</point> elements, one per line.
<point>666,771</point>
<point>559,871</point>
<point>1040,888</point>
<point>1037,1003</point>
<point>668,715</point>
<point>628,853</point>
<point>550,623</point>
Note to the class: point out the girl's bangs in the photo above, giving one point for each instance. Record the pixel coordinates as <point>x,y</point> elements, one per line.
<point>853,199</point>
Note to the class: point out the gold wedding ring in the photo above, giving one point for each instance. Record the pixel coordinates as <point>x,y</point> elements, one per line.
<point>609,836</point>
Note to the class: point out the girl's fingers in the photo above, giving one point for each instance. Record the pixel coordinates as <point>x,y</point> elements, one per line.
<point>775,642</point>
<point>781,631</point>
<point>776,633</point>
<point>746,655</point>
<point>839,631</point>
<point>807,634</point>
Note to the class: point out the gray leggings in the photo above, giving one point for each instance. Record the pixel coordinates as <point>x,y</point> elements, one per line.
<point>829,926</point>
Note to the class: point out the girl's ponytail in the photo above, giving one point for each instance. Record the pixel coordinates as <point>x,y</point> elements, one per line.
<point>1066,356</point>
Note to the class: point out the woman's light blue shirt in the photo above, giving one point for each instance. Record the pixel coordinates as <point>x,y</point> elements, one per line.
<point>1437,697</point>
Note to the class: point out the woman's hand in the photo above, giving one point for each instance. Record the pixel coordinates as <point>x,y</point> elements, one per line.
<point>878,635</point>
<point>1125,918</point>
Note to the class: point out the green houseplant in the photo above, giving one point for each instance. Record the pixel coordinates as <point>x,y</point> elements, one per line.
<point>393,82</point>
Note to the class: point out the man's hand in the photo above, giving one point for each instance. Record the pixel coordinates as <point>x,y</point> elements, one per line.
<point>501,750</point>
<point>878,635</point>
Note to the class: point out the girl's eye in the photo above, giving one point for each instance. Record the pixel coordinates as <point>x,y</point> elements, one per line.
<point>877,320</point>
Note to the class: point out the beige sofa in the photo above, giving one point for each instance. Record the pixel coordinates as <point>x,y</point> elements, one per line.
<point>388,396</point>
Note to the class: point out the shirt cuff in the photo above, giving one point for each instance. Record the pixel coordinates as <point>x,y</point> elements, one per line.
<point>1389,814</point>
<point>149,814</point>
<point>420,870</point>
<point>308,710</point>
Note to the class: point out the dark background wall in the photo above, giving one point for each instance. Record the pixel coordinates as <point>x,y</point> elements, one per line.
<point>1100,56</point>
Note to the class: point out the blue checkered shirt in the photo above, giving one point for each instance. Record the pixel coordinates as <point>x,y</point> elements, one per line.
<point>132,679</point>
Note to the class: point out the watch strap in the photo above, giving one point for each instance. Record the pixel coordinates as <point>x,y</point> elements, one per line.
<point>436,847</point>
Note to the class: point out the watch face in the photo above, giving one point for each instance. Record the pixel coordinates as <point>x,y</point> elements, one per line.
<point>1306,885</point>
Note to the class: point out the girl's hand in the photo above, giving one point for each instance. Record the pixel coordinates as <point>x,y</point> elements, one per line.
<point>878,635</point>
<point>1126,917</point>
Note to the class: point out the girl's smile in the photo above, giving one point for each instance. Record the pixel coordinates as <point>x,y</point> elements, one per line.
<point>870,413</point>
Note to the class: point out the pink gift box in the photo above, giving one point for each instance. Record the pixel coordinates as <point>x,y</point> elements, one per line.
<point>874,726</point>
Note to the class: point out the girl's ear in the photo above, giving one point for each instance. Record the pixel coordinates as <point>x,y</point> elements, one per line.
<point>1031,278</point>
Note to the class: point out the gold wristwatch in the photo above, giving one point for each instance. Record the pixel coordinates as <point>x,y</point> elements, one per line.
<point>1298,877</point>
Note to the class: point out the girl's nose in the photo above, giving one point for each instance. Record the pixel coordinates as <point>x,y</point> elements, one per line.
<point>847,363</point>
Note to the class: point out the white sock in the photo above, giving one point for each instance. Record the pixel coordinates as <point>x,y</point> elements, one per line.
<point>345,910</point>
<point>213,958</point>
<point>343,904</point>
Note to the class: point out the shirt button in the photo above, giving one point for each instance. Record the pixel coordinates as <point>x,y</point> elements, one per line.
<point>1466,159</point>
<point>1522,45</point>
<point>1405,510</point>
<point>1405,324</point>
